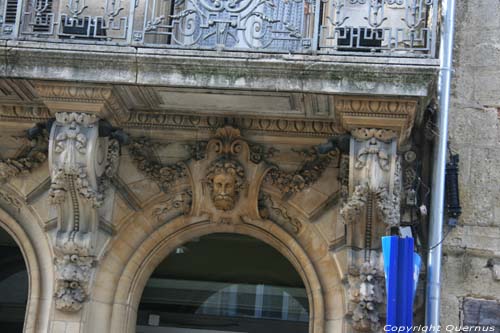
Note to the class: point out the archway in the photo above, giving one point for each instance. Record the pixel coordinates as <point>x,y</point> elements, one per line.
<point>224,283</point>
<point>14,285</point>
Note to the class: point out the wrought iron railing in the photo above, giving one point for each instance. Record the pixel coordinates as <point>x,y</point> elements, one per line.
<point>374,27</point>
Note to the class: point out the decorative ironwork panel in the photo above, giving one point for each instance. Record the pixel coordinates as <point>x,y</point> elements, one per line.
<point>274,25</point>
<point>82,20</point>
<point>381,27</point>
<point>9,10</point>
<point>400,28</point>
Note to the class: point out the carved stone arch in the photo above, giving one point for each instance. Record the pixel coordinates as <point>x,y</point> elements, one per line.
<point>37,257</point>
<point>132,257</point>
<point>330,265</point>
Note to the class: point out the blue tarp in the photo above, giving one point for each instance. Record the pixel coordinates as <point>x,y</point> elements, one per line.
<point>401,267</point>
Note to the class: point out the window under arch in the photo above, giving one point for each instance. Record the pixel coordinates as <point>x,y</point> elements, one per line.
<point>224,283</point>
<point>13,285</point>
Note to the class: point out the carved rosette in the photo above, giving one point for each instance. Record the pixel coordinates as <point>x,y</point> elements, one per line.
<point>366,296</point>
<point>81,164</point>
<point>73,273</point>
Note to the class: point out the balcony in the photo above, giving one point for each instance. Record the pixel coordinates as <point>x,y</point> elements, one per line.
<point>388,28</point>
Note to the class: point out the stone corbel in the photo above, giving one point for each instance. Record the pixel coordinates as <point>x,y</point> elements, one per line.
<point>374,176</point>
<point>81,163</point>
<point>369,211</point>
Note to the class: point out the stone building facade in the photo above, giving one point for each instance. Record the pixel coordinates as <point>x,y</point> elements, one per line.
<point>134,131</point>
<point>471,285</point>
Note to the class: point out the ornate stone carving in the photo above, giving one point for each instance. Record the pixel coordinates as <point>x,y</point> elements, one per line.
<point>366,295</point>
<point>302,127</point>
<point>375,185</point>
<point>354,112</point>
<point>11,199</point>
<point>270,210</point>
<point>142,153</point>
<point>353,207</point>
<point>311,170</point>
<point>31,113</point>
<point>180,202</point>
<point>388,203</point>
<point>383,135</point>
<point>96,99</point>
<point>35,155</point>
<point>73,272</point>
<point>221,168</point>
<point>81,163</point>
<point>226,179</point>
<point>377,171</point>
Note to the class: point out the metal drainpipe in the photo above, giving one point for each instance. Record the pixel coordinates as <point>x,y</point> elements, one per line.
<point>438,176</point>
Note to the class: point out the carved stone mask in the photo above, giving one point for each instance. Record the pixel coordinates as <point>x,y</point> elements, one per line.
<point>225,179</point>
<point>224,192</point>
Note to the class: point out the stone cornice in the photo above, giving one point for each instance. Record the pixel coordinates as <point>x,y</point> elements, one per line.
<point>97,99</point>
<point>169,67</point>
<point>354,112</point>
<point>276,126</point>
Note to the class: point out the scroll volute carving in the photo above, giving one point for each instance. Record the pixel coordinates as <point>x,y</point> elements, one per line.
<point>227,175</point>
<point>81,164</point>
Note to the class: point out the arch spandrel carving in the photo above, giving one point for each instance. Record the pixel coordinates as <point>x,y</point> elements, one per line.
<point>261,204</point>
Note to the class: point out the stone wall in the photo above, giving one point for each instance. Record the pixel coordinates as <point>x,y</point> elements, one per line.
<point>471,251</point>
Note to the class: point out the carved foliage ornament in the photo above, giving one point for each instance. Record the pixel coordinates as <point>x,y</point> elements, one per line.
<point>311,170</point>
<point>142,153</point>
<point>387,204</point>
<point>224,159</point>
<point>32,158</point>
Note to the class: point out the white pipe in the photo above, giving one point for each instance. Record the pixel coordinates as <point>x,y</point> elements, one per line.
<point>438,176</point>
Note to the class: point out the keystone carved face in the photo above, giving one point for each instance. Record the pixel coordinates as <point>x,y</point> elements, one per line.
<point>225,179</point>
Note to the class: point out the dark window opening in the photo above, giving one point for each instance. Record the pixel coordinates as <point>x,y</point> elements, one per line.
<point>224,283</point>
<point>13,285</point>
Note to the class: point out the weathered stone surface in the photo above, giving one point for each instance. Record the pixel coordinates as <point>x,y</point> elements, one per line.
<point>481,313</point>
<point>472,247</point>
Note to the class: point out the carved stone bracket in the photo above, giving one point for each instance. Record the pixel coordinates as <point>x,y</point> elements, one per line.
<point>375,176</point>
<point>372,207</point>
<point>81,163</point>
